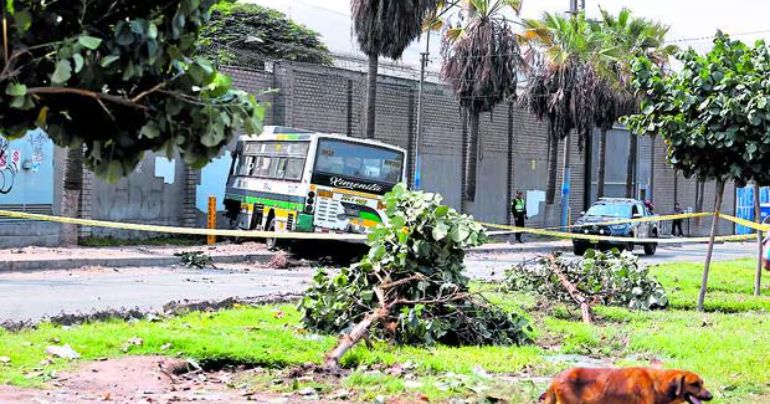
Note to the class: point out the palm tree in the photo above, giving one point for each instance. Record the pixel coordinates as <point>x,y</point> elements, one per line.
<point>563,80</point>
<point>385,28</point>
<point>632,37</point>
<point>481,65</point>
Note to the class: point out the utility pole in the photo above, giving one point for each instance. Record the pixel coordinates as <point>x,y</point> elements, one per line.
<point>418,135</point>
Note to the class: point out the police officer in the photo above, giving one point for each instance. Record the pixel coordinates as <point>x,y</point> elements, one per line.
<point>519,210</point>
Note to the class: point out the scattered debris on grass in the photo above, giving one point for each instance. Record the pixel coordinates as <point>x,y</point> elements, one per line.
<point>612,278</point>
<point>196,259</point>
<point>63,351</point>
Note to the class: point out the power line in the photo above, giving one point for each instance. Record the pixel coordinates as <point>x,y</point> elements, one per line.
<point>710,37</point>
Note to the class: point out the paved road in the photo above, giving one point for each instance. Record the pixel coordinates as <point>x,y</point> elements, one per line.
<point>34,295</point>
<point>491,266</point>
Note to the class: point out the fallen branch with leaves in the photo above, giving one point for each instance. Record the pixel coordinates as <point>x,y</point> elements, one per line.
<point>611,278</point>
<point>410,287</point>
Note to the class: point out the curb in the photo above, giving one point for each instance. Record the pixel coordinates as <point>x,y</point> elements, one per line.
<point>160,261</point>
<point>517,249</point>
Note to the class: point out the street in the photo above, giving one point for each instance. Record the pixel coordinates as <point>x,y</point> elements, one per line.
<point>33,295</point>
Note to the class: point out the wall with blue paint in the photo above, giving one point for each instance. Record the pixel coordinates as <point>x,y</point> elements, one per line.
<point>27,172</point>
<point>744,206</point>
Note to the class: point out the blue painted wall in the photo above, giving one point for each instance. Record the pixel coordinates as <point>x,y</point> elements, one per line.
<point>26,170</point>
<point>744,205</point>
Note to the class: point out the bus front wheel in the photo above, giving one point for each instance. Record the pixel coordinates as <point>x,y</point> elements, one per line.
<point>272,242</point>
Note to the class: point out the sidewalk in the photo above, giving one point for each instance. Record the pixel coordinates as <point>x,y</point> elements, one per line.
<point>45,258</point>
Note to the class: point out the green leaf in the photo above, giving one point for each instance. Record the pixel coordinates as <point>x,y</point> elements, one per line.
<point>108,60</point>
<point>150,130</point>
<point>23,21</point>
<point>90,42</point>
<point>440,231</point>
<point>16,90</point>
<point>9,7</point>
<point>79,61</point>
<point>62,73</point>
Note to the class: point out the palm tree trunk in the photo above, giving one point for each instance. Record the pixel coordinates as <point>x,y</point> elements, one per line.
<point>553,166</point>
<point>73,187</point>
<point>602,164</point>
<point>631,166</point>
<point>651,191</point>
<point>371,91</point>
<point>471,156</point>
<point>714,221</point>
<point>758,218</point>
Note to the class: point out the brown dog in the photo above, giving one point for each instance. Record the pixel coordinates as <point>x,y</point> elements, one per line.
<point>626,386</point>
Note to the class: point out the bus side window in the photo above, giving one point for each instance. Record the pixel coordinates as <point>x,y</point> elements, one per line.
<point>246,164</point>
<point>281,169</point>
<point>262,167</point>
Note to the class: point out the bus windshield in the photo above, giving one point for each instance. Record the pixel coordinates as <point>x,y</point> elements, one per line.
<point>359,161</point>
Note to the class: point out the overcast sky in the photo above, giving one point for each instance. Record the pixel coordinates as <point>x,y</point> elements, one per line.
<point>687,18</point>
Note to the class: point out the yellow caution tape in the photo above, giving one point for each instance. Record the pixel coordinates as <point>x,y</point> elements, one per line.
<point>648,219</point>
<point>183,230</point>
<point>746,223</point>
<point>599,238</point>
<point>351,237</point>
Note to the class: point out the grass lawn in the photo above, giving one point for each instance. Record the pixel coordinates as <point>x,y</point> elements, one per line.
<point>728,345</point>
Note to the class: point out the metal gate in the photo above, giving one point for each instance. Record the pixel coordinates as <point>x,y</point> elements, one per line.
<point>744,205</point>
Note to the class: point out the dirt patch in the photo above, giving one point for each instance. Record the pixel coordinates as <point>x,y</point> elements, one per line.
<point>139,379</point>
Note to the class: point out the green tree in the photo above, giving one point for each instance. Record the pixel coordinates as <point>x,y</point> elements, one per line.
<point>386,28</point>
<point>563,80</point>
<point>245,34</point>
<point>631,37</point>
<point>111,79</point>
<point>713,115</point>
<point>481,65</point>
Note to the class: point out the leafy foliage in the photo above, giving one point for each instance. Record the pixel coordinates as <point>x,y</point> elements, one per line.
<point>386,28</point>
<point>246,34</point>
<point>610,278</point>
<point>425,241</point>
<point>117,77</point>
<point>713,114</point>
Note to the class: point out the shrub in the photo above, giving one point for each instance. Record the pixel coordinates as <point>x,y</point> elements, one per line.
<point>414,269</point>
<point>612,278</point>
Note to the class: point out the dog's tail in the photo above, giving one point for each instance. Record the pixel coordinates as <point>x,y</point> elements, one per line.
<point>549,397</point>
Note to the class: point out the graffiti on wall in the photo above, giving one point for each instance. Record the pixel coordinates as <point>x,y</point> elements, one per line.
<point>26,170</point>
<point>9,164</point>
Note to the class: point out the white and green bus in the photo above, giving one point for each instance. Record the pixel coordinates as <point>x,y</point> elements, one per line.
<point>289,179</point>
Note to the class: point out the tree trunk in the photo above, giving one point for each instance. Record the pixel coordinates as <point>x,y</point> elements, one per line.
<point>631,165</point>
<point>714,221</point>
<point>700,189</point>
<point>463,159</point>
<point>472,156</point>
<point>651,191</point>
<point>758,218</point>
<point>602,164</point>
<point>371,99</point>
<point>588,156</point>
<point>73,187</point>
<point>553,166</point>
